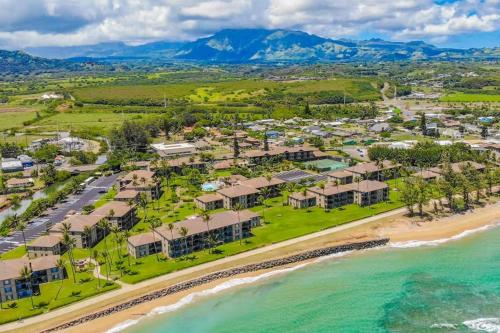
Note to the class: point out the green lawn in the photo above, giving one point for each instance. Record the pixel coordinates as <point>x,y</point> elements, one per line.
<point>85,286</point>
<point>15,253</point>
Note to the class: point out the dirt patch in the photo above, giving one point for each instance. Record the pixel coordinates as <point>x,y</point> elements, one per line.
<point>4,109</point>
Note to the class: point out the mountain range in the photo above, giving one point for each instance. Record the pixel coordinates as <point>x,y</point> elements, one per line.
<point>245,46</point>
<point>263,45</point>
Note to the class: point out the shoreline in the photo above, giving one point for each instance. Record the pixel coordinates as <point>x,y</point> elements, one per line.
<point>393,225</point>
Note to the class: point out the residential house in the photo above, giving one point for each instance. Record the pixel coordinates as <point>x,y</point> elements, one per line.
<point>127,196</point>
<point>366,192</point>
<point>46,245</point>
<point>13,286</point>
<point>458,166</point>
<point>297,154</point>
<point>341,176</point>
<point>244,195</point>
<point>373,171</point>
<point>177,165</point>
<point>222,227</point>
<point>19,183</point>
<point>209,201</point>
<point>369,192</point>
<point>261,183</point>
<point>77,229</point>
<point>118,213</point>
<point>333,196</point>
<point>300,200</point>
<point>142,181</point>
<point>144,244</point>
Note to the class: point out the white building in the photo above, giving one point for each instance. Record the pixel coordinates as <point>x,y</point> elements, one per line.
<point>70,144</point>
<point>175,149</point>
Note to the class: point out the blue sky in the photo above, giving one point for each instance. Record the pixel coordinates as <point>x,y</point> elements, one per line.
<point>32,23</point>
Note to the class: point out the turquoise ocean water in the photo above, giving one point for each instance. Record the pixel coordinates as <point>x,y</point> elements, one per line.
<point>451,287</point>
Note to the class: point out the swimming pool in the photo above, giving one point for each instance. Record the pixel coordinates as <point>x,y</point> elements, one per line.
<point>211,186</point>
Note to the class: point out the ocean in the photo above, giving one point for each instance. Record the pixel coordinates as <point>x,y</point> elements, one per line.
<point>450,285</point>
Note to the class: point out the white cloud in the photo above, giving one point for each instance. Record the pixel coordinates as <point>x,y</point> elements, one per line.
<point>27,23</point>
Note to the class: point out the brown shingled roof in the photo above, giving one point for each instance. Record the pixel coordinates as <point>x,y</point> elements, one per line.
<point>261,182</point>
<point>369,186</point>
<point>127,194</point>
<point>300,196</point>
<point>209,197</point>
<point>331,189</point>
<point>197,225</point>
<point>10,269</point>
<point>78,222</point>
<point>340,174</point>
<point>140,174</point>
<point>119,207</point>
<point>143,239</point>
<point>237,191</point>
<point>46,241</point>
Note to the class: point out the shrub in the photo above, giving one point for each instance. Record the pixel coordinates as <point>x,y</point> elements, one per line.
<point>76,293</point>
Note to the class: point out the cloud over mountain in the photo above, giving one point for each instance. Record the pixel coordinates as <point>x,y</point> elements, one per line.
<point>29,23</point>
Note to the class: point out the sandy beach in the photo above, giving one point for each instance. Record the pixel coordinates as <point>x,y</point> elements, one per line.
<point>395,225</point>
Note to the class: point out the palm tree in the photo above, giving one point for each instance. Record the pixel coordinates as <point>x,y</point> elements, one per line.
<point>143,203</point>
<point>154,222</point>
<point>183,231</point>
<point>87,232</point>
<point>206,218</point>
<point>115,231</point>
<point>60,265</point>
<point>95,256</point>
<point>69,242</point>
<point>25,274</point>
<point>104,225</point>
<point>238,208</point>
<point>170,227</point>
<point>265,192</point>
<point>262,201</point>
<point>21,226</point>
<point>107,263</point>
<point>126,234</point>
<point>322,187</point>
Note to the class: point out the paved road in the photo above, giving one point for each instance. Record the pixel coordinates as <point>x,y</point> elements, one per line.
<point>73,202</point>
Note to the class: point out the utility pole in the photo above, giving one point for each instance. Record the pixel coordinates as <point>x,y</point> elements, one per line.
<point>344,97</point>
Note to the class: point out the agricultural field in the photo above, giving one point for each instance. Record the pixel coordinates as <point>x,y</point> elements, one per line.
<point>220,92</point>
<point>465,98</point>
<point>101,121</point>
<point>13,117</point>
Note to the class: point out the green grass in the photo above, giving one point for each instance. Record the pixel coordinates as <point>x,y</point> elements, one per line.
<point>15,119</point>
<point>15,253</point>
<point>463,97</point>
<point>106,197</point>
<point>86,286</point>
<point>96,120</point>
